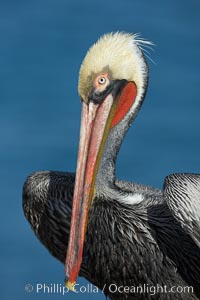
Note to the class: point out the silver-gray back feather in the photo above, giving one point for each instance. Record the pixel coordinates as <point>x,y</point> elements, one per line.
<point>182,194</point>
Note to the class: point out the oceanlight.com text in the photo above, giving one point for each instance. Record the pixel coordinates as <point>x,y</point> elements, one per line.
<point>148,289</point>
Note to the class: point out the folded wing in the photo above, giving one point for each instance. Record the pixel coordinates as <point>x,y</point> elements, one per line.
<point>182,194</point>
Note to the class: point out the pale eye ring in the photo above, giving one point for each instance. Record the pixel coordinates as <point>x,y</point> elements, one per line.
<point>102,80</point>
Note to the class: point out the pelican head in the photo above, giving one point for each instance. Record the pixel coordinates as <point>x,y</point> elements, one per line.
<point>116,56</point>
<point>112,84</point>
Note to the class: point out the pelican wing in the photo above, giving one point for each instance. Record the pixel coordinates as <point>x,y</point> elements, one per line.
<point>182,194</point>
<point>47,204</point>
<point>45,187</point>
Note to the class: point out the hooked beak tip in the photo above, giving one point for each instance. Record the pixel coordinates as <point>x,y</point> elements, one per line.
<point>69,284</point>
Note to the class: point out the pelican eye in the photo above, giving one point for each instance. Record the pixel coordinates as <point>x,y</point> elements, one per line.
<point>102,80</point>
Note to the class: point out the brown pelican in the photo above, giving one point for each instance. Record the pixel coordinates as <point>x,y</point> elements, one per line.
<point>121,233</point>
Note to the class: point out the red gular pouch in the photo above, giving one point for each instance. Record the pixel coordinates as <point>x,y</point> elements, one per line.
<point>126,99</point>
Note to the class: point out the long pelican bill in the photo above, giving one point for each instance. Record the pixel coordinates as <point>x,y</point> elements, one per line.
<point>96,121</point>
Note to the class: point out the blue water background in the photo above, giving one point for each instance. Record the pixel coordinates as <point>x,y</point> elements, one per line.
<point>42,44</point>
